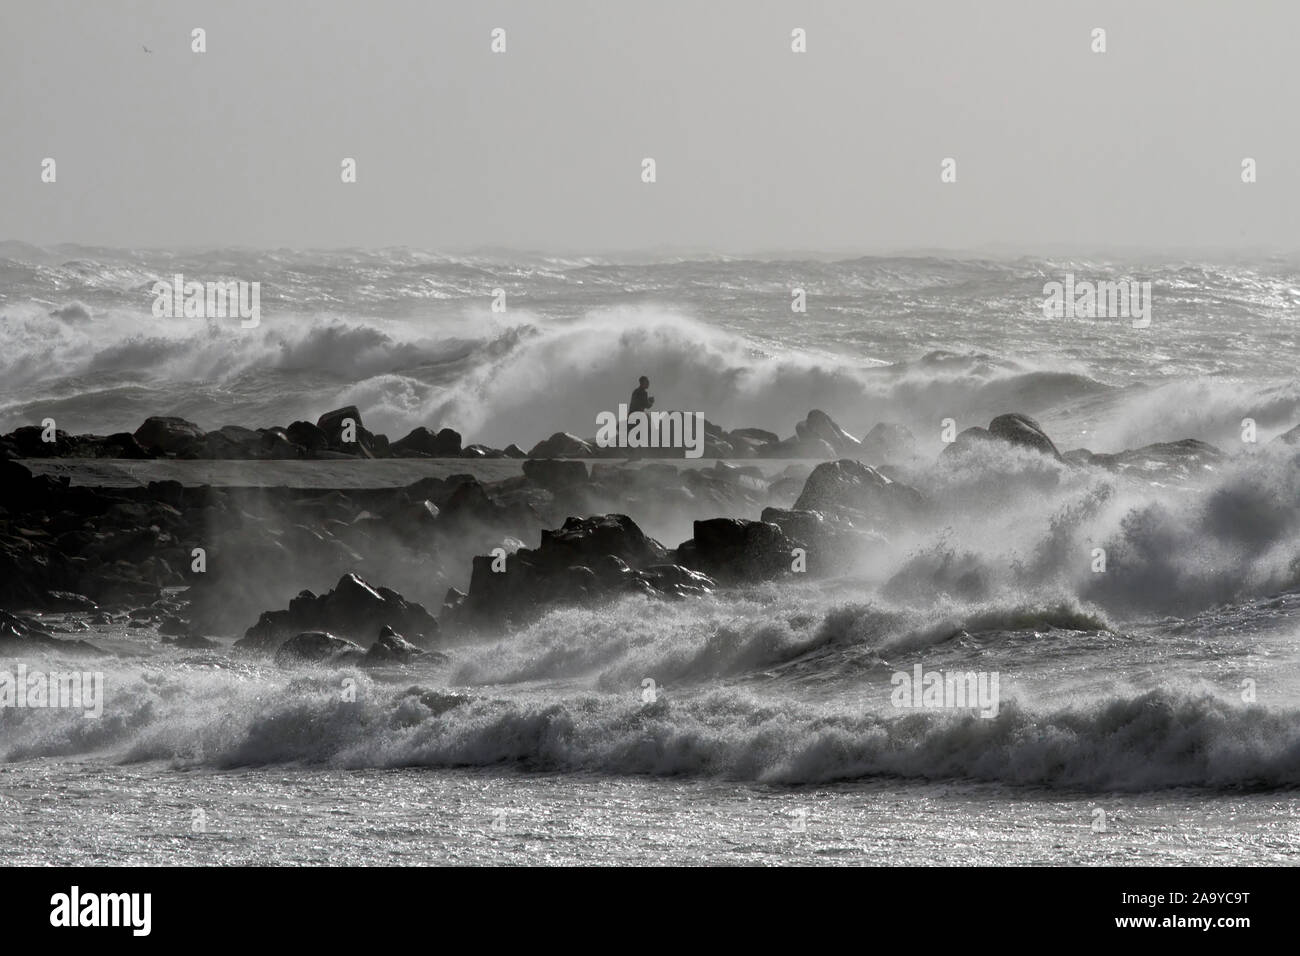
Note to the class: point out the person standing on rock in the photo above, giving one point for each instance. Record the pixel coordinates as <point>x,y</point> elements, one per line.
<point>641,398</point>
<point>640,402</point>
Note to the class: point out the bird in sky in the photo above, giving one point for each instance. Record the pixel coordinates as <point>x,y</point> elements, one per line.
<point>145,48</point>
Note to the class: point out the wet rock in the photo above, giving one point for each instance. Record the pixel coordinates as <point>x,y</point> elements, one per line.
<point>859,494</point>
<point>391,648</point>
<point>317,647</point>
<point>587,559</point>
<point>308,436</point>
<point>352,609</point>
<point>733,549</point>
<point>168,435</point>
<point>562,445</point>
<point>582,540</point>
<point>677,581</point>
<point>1023,431</point>
<point>364,444</point>
<point>68,601</point>
<point>820,425</point>
<point>21,635</point>
<point>422,441</point>
<point>28,442</point>
<point>831,546</point>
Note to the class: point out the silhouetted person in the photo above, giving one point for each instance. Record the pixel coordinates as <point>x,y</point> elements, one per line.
<point>641,399</point>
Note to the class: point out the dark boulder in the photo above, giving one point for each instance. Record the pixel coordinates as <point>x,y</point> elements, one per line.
<point>677,581</point>
<point>21,635</point>
<point>562,445</point>
<point>332,423</point>
<point>587,559</point>
<point>820,425</point>
<point>353,609</point>
<point>830,545</point>
<point>1023,431</point>
<point>168,435</point>
<point>317,647</point>
<point>28,442</point>
<point>859,494</point>
<point>364,444</point>
<point>422,441</point>
<point>581,540</point>
<point>733,549</point>
<point>308,436</point>
<point>391,648</point>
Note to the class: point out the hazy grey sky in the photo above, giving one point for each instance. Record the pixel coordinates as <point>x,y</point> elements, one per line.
<point>758,148</point>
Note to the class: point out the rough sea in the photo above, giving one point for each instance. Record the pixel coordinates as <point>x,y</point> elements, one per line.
<point>1149,713</point>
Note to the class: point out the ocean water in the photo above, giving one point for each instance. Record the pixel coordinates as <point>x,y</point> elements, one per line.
<point>1147,714</point>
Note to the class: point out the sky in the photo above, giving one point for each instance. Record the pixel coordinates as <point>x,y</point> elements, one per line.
<point>757,149</point>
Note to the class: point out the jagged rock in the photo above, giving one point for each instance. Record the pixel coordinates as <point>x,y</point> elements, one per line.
<point>802,527</point>
<point>443,444</point>
<point>586,559</point>
<point>453,599</point>
<point>68,601</point>
<point>735,549</point>
<point>20,635</point>
<point>353,608</point>
<point>28,442</point>
<point>677,581</point>
<point>331,423</point>
<point>391,648</point>
<point>859,494</point>
<point>562,445</point>
<point>167,435</point>
<point>365,445</point>
<point>317,647</point>
<point>308,436</point>
<point>818,424</point>
<point>830,545</point>
<point>581,540</point>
